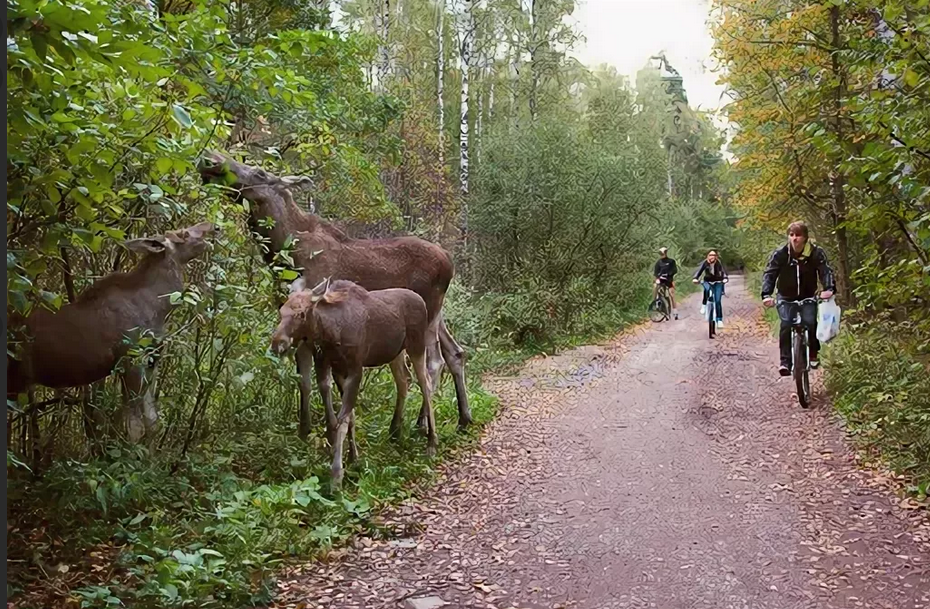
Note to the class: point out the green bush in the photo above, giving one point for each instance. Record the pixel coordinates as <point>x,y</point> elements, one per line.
<point>878,375</point>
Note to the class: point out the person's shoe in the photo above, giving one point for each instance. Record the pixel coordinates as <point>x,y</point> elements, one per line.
<point>815,363</point>
<point>675,313</point>
<point>784,370</point>
<point>719,323</point>
<point>703,309</point>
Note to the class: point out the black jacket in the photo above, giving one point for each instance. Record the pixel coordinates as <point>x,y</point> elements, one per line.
<point>665,266</point>
<point>715,273</point>
<point>784,270</point>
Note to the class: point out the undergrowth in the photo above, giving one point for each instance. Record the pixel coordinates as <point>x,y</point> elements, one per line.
<point>878,376</point>
<point>141,529</point>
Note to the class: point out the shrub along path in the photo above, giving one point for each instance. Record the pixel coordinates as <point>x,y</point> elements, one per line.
<point>661,470</point>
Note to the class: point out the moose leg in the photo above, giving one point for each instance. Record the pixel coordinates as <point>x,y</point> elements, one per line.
<point>133,386</point>
<point>454,356</point>
<point>305,363</point>
<point>419,366</point>
<point>149,405</point>
<point>349,394</point>
<point>353,447</point>
<point>434,362</point>
<point>399,370</point>
<point>324,380</point>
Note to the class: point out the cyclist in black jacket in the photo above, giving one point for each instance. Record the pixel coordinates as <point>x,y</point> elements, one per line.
<point>664,272</point>
<point>793,270</point>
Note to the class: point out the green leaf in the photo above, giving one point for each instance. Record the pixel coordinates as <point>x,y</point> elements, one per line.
<point>181,116</point>
<point>911,77</point>
<point>170,591</point>
<point>288,274</point>
<point>39,44</point>
<point>164,165</point>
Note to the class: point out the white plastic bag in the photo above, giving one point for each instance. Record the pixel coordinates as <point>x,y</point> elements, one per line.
<point>828,322</point>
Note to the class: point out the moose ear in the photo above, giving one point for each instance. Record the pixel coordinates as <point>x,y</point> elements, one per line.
<point>146,245</point>
<point>297,182</point>
<point>319,290</point>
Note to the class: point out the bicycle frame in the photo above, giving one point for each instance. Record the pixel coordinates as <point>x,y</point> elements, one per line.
<point>800,346</point>
<point>662,293</point>
<point>711,323</point>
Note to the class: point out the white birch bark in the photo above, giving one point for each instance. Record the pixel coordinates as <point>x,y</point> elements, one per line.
<point>465,59</point>
<point>384,63</point>
<point>440,82</point>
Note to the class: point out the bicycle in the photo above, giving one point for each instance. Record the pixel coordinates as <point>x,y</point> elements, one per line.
<point>661,307</point>
<point>800,354</point>
<point>711,315</point>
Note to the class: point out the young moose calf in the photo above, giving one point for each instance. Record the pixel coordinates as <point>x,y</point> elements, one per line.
<point>350,328</point>
<point>84,341</point>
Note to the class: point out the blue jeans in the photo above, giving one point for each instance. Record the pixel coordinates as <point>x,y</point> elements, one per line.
<point>718,298</point>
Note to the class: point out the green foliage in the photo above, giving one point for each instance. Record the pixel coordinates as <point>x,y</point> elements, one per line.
<point>880,380</point>
<point>831,101</point>
<point>201,529</point>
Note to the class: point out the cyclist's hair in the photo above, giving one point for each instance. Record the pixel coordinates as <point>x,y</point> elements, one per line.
<point>798,228</point>
<point>714,252</point>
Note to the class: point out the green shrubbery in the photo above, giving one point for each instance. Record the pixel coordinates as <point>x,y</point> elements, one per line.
<point>878,375</point>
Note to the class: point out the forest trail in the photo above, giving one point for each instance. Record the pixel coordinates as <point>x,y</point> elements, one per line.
<point>660,470</point>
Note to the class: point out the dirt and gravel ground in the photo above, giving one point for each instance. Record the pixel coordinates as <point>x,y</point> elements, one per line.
<point>661,470</point>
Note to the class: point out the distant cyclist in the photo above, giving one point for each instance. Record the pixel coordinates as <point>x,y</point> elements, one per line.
<point>664,272</point>
<point>712,270</point>
<point>793,270</point>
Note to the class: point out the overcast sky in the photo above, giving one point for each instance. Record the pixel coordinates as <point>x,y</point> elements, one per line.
<point>625,33</point>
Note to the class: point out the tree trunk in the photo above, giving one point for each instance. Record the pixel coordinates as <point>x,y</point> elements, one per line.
<point>838,180</point>
<point>478,120</point>
<point>465,58</point>
<point>534,69</point>
<point>383,50</point>
<point>440,84</point>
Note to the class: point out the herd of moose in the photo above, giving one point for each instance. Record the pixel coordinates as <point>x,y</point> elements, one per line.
<point>358,303</point>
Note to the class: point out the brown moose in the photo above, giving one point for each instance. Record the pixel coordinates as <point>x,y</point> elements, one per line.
<point>84,341</point>
<point>323,251</point>
<point>349,328</point>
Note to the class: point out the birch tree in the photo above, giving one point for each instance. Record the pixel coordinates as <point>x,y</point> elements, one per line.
<point>440,78</point>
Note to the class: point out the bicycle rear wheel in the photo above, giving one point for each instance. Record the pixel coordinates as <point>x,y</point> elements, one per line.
<point>801,376</point>
<point>657,310</point>
<point>711,324</point>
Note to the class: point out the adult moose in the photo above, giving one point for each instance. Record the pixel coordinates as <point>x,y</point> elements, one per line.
<point>351,329</point>
<point>84,341</point>
<point>323,250</point>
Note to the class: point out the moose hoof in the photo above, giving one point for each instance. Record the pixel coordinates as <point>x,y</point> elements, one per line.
<point>431,452</point>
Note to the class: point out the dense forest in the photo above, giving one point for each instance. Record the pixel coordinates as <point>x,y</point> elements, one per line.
<point>471,125</point>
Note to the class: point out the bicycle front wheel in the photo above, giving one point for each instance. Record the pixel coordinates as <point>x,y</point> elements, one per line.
<point>657,310</point>
<point>801,376</point>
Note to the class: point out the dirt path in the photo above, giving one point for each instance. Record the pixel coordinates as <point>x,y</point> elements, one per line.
<point>663,470</point>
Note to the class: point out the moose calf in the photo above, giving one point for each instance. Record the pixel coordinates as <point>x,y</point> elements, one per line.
<point>348,329</point>
<point>83,342</point>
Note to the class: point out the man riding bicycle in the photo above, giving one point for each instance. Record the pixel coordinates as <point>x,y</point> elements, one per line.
<point>664,273</point>
<point>793,270</point>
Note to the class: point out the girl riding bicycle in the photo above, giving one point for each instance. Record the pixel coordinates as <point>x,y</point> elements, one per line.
<point>713,270</point>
